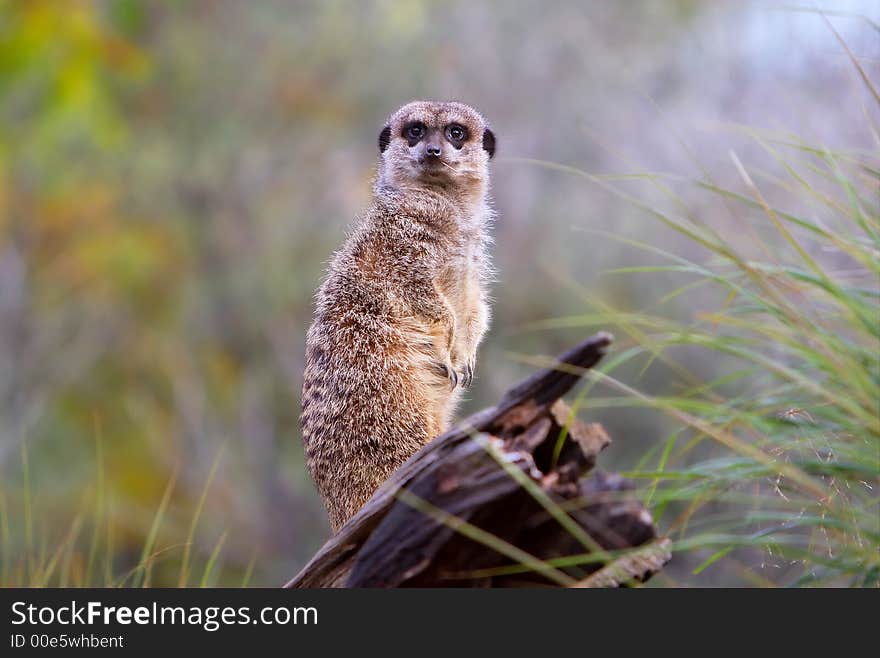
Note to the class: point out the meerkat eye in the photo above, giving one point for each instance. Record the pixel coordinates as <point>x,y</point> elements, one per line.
<point>416,131</point>
<point>456,133</point>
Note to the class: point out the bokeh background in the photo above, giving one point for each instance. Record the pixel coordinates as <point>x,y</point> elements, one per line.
<point>174,175</point>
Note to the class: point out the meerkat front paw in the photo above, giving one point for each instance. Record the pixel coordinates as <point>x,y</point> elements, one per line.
<point>449,372</point>
<point>463,377</point>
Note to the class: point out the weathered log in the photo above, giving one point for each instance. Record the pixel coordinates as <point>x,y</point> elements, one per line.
<point>492,500</point>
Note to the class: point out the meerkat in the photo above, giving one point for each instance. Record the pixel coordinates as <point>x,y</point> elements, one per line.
<point>403,306</point>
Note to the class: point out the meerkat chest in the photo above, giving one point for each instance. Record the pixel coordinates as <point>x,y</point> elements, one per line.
<point>460,279</point>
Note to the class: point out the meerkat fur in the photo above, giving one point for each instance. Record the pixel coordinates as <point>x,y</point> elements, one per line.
<point>403,307</point>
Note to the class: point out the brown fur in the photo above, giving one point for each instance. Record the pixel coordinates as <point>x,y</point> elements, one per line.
<point>402,309</point>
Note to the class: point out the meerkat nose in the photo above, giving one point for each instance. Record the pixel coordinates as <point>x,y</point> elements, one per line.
<point>433,151</point>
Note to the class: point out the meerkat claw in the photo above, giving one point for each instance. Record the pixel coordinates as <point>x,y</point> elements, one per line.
<point>453,376</point>
<point>468,378</point>
<point>448,372</point>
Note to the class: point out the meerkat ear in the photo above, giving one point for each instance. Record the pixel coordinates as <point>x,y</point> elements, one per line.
<point>489,142</point>
<point>384,138</point>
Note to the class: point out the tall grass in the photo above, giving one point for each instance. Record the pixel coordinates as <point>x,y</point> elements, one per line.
<point>772,469</point>
<point>85,553</point>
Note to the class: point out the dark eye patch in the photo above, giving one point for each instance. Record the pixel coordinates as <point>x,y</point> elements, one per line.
<point>414,132</point>
<point>489,142</point>
<point>384,138</point>
<point>456,134</point>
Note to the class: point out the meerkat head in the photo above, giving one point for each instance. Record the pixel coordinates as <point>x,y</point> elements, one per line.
<point>442,144</point>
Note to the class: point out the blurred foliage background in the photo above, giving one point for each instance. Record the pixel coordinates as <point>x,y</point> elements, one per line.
<point>174,174</point>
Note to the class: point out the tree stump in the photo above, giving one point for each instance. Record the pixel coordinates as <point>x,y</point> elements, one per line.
<point>507,498</point>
